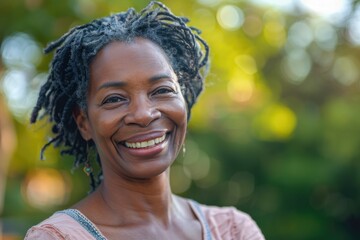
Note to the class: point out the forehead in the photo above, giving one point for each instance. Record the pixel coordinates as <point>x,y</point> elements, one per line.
<point>138,53</point>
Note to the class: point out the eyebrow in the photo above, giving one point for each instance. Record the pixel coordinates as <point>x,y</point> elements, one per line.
<point>111,85</point>
<point>119,84</point>
<point>159,77</point>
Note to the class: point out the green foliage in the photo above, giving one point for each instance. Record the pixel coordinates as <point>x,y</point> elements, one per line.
<point>276,132</point>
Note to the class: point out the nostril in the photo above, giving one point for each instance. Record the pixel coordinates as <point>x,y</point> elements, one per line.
<point>142,116</point>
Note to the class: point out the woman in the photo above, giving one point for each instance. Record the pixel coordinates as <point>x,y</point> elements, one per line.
<point>122,87</point>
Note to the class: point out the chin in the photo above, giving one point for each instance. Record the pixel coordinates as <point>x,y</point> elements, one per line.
<point>148,170</point>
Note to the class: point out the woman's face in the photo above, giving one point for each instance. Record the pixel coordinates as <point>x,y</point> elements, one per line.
<point>136,112</point>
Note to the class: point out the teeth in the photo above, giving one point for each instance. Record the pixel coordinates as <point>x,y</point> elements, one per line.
<point>145,144</point>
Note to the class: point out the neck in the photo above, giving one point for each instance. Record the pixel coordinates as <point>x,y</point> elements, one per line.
<point>140,200</point>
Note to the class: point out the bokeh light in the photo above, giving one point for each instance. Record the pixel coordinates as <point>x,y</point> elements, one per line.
<point>230,17</point>
<point>246,63</point>
<point>297,65</point>
<point>332,10</point>
<point>241,185</point>
<point>241,89</point>
<point>276,122</point>
<point>180,179</point>
<point>283,5</point>
<point>253,25</point>
<point>45,188</point>
<point>198,164</point>
<point>20,50</point>
<point>274,31</point>
<point>354,27</point>
<point>21,55</point>
<point>300,34</point>
<point>275,133</point>
<point>325,36</point>
<point>346,70</point>
<point>209,2</point>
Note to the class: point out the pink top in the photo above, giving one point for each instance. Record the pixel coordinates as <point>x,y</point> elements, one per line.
<point>218,223</point>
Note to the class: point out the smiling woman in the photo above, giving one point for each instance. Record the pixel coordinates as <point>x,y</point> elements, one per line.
<point>122,87</point>
<point>130,105</point>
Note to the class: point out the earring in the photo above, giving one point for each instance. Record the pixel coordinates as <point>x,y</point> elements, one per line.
<point>87,167</point>
<point>183,150</point>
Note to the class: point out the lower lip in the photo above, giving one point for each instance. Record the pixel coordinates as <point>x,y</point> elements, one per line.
<point>148,151</point>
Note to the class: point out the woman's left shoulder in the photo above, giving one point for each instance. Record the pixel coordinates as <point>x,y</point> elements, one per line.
<point>225,213</point>
<point>231,221</point>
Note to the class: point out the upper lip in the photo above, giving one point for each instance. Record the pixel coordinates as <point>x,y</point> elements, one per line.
<point>144,136</point>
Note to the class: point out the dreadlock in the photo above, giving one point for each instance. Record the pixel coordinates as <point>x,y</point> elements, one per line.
<point>68,79</point>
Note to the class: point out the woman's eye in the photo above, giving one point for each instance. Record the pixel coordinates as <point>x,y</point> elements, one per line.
<point>113,99</point>
<point>164,91</point>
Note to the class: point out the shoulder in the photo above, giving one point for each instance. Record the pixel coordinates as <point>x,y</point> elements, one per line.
<point>58,227</point>
<point>230,223</point>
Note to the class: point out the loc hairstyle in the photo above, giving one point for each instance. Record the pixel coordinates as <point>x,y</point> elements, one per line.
<point>68,79</point>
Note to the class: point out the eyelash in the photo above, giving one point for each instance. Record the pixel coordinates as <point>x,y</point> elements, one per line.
<point>162,89</point>
<point>117,99</point>
<point>111,99</point>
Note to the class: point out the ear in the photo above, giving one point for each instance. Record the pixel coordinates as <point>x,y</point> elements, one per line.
<point>82,123</point>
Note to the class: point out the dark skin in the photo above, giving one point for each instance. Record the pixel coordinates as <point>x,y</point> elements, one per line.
<point>137,119</point>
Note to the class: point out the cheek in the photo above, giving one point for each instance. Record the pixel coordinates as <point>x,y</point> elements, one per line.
<point>179,117</point>
<point>104,122</point>
<point>179,112</point>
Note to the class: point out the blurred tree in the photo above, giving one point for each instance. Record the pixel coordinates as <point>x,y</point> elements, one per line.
<point>276,132</point>
<point>7,147</point>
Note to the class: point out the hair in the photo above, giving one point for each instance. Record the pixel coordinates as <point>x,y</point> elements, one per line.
<point>67,83</point>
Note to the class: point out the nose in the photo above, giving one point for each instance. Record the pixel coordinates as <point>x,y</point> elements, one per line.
<point>141,112</point>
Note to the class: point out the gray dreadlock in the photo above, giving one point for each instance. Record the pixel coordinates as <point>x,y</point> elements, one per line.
<point>68,78</point>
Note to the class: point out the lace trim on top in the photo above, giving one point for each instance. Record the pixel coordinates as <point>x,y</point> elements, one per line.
<point>84,222</point>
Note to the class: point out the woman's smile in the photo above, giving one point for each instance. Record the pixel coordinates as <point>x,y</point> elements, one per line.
<point>145,143</point>
<point>145,146</point>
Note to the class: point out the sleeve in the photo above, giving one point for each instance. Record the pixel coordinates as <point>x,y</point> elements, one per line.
<point>244,227</point>
<point>230,223</point>
<point>44,232</point>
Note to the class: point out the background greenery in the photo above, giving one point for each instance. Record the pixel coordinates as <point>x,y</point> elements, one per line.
<point>276,133</point>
